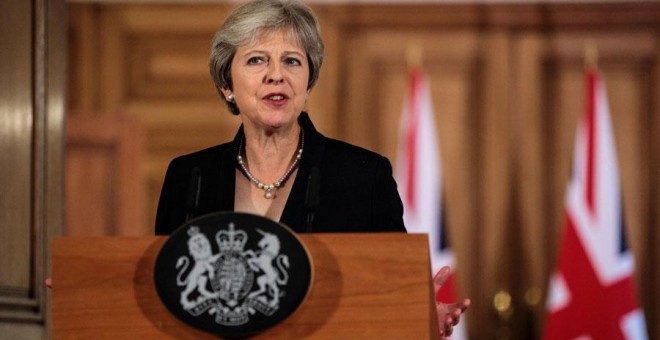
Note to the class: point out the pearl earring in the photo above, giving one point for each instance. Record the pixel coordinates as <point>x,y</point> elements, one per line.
<point>230,97</point>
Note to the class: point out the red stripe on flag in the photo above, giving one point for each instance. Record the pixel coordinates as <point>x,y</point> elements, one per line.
<point>591,140</point>
<point>411,138</point>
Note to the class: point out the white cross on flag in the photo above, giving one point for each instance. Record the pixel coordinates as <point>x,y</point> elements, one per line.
<point>592,292</point>
<point>418,176</point>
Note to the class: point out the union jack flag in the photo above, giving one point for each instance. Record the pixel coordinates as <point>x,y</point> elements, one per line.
<point>419,179</point>
<point>592,292</point>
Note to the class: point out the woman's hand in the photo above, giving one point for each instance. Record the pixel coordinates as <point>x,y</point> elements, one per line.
<point>48,282</point>
<point>448,314</point>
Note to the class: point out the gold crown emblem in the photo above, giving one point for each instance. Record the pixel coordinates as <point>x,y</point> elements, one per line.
<point>231,240</point>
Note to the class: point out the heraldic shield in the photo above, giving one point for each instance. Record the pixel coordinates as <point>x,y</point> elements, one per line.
<point>232,274</point>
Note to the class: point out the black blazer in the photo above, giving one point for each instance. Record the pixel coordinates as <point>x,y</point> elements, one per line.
<point>357,190</point>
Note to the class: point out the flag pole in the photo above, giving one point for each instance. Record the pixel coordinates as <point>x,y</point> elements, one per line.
<point>414,52</point>
<point>590,56</point>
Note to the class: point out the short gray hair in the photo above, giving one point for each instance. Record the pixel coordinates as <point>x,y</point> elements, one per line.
<point>255,17</point>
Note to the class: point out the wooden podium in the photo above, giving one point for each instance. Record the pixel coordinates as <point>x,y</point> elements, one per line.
<point>374,286</point>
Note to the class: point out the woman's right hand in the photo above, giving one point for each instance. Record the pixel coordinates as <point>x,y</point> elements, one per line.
<point>448,314</point>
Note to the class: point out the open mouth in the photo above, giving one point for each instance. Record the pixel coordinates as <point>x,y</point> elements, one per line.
<point>276,98</point>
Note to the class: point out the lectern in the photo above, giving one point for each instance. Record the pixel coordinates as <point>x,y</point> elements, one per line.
<point>375,285</point>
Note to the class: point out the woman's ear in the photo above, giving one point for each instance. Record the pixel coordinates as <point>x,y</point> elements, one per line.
<point>228,94</point>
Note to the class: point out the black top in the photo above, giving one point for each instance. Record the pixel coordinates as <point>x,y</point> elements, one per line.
<point>357,190</point>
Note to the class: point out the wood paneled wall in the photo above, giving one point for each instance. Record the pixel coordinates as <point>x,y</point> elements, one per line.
<point>32,69</point>
<point>507,86</point>
<point>104,155</point>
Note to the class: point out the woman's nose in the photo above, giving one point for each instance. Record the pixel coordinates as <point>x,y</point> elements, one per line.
<point>274,74</point>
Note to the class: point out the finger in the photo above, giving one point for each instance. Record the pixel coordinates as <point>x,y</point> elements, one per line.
<point>460,306</point>
<point>457,312</point>
<point>450,330</point>
<point>449,322</point>
<point>466,303</point>
<point>440,277</point>
<point>457,319</point>
<point>49,282</point>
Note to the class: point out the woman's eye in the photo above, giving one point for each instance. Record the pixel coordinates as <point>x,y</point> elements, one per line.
<point>255,60</point>
<point>293,61</point>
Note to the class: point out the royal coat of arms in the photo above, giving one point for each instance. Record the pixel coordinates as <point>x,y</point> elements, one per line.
<point>232,274</point>
<point>223,284</point>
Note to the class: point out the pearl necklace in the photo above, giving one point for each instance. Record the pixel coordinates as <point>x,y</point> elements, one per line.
<point>270,188</point>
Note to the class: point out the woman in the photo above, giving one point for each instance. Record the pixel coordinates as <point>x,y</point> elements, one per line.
<point>264,61</point>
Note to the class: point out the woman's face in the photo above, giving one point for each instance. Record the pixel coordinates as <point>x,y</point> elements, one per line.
<point>270,78</point>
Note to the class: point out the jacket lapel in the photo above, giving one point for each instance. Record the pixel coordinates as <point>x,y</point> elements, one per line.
<point>222,187</point>
<point>294,211</point>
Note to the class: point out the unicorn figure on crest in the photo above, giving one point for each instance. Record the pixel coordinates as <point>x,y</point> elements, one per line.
<point>272,276</point>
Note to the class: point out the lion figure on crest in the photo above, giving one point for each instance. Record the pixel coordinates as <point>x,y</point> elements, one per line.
<point>200,249</point>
